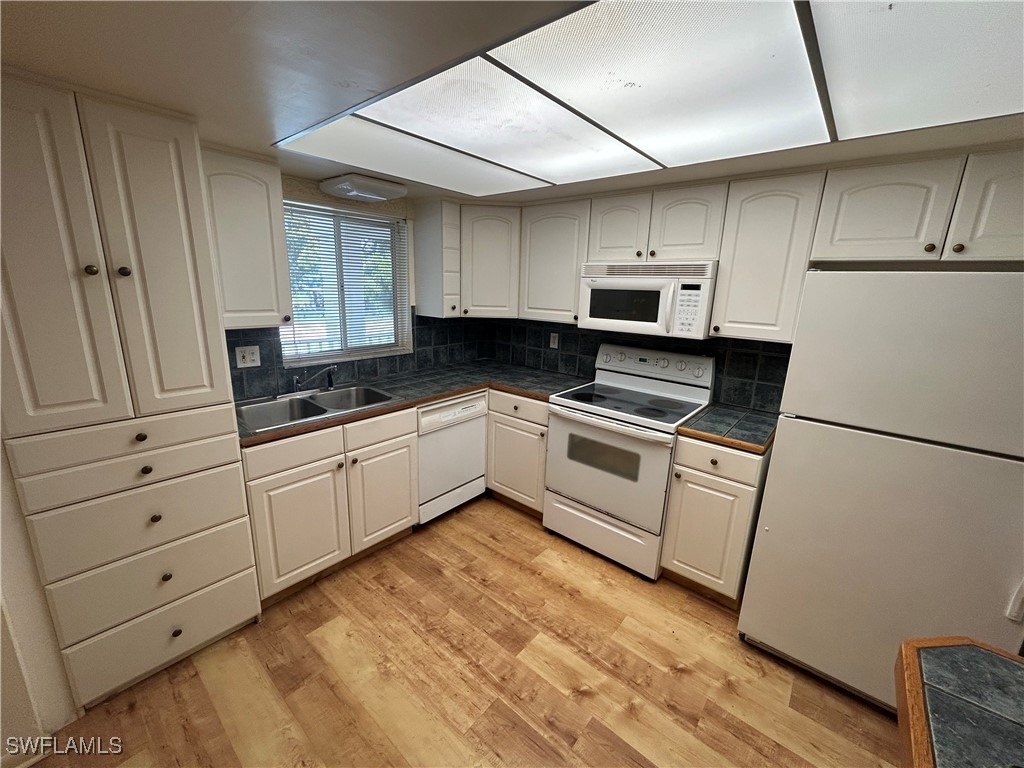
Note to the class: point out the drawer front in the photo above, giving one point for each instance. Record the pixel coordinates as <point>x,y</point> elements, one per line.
<point>126,653</point>
<point>87,481</point>
<point>87,604</point>
<point>535,411</point>
<point>45,453</point>
<point>293,452</point>
<point>73,539</point>
<point>379,429</point>
<point>721,462</point>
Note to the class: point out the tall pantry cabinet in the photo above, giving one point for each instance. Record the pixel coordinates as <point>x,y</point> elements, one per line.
<point>117,413</point>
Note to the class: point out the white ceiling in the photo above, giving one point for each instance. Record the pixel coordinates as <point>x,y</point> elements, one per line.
<point>253,73</point>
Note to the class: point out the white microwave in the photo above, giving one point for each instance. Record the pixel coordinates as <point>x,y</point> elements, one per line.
<point>651,299</point>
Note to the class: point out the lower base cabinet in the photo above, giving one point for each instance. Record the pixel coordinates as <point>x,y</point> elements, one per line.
<point>300,522</point>
<point>383,490</point>
<point>516,451</point>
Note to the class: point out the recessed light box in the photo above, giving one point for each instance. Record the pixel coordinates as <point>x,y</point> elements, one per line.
<point>896,66</point>
<point>685,82</point>
<point>480,109</point>
<point>354,141</point>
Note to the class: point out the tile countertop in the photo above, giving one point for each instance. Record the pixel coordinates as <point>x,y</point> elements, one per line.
<point>739,428</point>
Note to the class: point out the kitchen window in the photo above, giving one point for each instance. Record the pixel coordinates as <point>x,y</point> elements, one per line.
<point>350,286</point>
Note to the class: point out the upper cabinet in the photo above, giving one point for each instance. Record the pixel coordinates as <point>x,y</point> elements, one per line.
<point>666,226</point>
<point>148,186</point>
<point>62,358</point>
<point>887,212</point>
<point>554,245</point>
<point>490,261</point>
<point>437,252</point>
<point>247,226</point>
<point>988,222</point>
<point>765,248</point>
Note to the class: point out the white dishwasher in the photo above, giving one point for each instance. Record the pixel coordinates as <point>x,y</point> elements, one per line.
<point>452,445</point>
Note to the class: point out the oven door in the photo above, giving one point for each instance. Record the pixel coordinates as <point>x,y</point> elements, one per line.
<point>615,468</point>
<point>627,304</point>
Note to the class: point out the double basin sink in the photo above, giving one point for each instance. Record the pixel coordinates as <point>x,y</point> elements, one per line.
<point>255,416</point>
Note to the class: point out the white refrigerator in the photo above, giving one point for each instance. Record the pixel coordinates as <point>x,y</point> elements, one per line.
<point>894,504</point>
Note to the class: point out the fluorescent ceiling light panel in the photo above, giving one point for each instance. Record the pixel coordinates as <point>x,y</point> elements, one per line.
<point>685,82</point>
<point>356,142</point>
<point>480,109</point>
<point>904,65</point>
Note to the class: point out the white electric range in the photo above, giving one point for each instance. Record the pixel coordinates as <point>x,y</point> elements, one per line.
<point>610,450</point>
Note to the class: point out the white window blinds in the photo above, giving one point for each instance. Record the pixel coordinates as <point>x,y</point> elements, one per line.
<point>350,286</point>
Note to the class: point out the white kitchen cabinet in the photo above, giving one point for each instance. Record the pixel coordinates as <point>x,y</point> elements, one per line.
<point>490,261</point>
<point>619,227</point>
<point>436,237</point>
<point>554,246</point>
<point>765,247</point>
<point>686,223</point>
<point>516,451</point>
<point>148,186</point>
<point>62,357</point>
<point>988,222</point>
<point>383,490</point>
<point>247,227</point>
<point>300,519</point>
<point>894,212</point>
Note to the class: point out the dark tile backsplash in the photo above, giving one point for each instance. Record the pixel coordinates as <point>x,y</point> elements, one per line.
<point>749,374</point>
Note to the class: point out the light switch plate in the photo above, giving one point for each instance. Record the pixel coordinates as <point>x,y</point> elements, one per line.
<point>553,341</point>
<point>247,357</point>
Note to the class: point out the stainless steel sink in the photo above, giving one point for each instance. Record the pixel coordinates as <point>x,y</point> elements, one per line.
<point>350,398</point>
<point>256,417</point>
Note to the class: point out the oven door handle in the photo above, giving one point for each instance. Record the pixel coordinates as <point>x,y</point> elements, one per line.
<point>613,426</point>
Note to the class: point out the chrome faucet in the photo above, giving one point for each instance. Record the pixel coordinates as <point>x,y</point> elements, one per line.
<point>297,385</point>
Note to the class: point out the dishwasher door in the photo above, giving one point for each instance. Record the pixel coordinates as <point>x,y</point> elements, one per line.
<point>452,445</point>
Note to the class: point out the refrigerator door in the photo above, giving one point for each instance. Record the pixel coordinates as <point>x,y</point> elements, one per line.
<point>865,540</point>
<point>932,355</point>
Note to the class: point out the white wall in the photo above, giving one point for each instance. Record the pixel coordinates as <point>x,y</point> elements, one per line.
<point>33,643</point>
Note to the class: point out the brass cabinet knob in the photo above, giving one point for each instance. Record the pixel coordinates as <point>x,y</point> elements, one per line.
<point>678,475</point>
<point>176,633</point>
<point>167,577</point>
<point>92,269</point>
<point>714,462</point>
<point>146,469</point>
<point>141,437</point>
<point>156,518</point>
<point>958,248</point>
<point>929,248</point>
<point>124,271</point>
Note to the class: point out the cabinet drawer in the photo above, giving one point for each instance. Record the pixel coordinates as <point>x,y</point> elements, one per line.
<point>379,429</point>
<point>73,539</point>
<point>519,407</point>
<point>126,653</point>
<point>281,455</point>
<point>105,597</point>
<point>56,450</point>
<point>87,481</point>
<point>719,461</point>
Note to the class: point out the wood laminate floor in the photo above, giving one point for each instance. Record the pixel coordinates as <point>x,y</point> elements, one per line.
<point>482,640</point>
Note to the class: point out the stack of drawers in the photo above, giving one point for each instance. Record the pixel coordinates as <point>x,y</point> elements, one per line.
<point>142,540</point>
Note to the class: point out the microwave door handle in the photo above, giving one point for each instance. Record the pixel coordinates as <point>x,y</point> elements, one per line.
<point>669,307</point>
<point>612,426</point>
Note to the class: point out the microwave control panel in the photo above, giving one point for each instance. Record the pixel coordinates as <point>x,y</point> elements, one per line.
<point>692,310</point>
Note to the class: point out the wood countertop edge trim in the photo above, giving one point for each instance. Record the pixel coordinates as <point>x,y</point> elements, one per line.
<point>727,442</point>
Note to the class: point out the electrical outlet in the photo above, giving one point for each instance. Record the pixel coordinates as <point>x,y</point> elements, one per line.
<point>553,341</point>
<point>247,357</point>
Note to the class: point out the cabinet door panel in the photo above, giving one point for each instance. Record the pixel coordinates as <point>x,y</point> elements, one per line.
<point>765,246</point>
<point>149,190</point>
<point>619,227</point>
<point>490,261</point>
<point>554,246</point>
<point>707,529</point>
<point>516,451</point>
<point>384,490</point>
<point>887,212</point>
<point>61,355</point>
<point>686,224</point>
<point>247,222</point>
<point>987,221</point>
<point>301,523</point>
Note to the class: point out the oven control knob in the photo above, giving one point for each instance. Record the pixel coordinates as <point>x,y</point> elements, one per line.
<point>681,365</point>
<point>622,356</point>
<point>698,372</point>
<point>663,362</point>
<point>607,357</point>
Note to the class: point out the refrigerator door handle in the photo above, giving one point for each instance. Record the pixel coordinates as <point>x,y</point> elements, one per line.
<point>1015,610</point>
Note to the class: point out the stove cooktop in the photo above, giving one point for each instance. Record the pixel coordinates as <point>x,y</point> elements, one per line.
<point>624,402</point>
